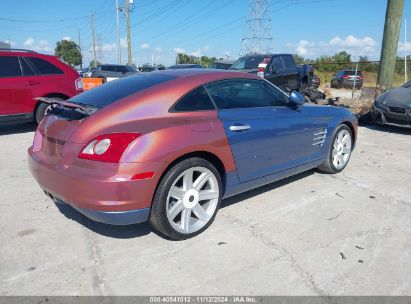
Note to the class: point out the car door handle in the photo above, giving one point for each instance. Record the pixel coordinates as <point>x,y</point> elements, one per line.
<point>239,128</point>
<point>32,82</point>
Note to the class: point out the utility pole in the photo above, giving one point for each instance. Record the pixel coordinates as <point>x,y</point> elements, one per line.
<point>258,36</point>
<point>129,59</point>
<point>392,26</point>
<point>118,33</point>
<point>93,37</point>
<point>81,50</point>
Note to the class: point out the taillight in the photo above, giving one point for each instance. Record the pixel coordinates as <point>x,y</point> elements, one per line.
<point>108,147</point>
<point>361,77</point>
<point>345,76</point>
<point>79,84</point>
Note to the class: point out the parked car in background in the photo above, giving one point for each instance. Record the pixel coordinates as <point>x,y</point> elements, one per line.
<point>279,69</point>
<point>167,146</point>
<point>26,75</point>
<point>185,66</point>
<point>107,71</point>
<point>346,78</point>
<point>150,68</point>
<point>224,64</point>
<point>86,72</point>
<point>393,107</point>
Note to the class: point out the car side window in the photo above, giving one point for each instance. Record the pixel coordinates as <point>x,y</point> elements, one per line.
<point>10,66</point>
<point>27,70</point>
<point>121,69</point>
<point>43,67</point>
<point>196,100</point>
<point>277,64</point>
<point>245,94</point>
<point>289,62</point>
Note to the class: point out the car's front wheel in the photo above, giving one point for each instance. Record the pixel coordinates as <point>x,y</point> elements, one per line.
<point>340,150</point>
<point>187,199</point>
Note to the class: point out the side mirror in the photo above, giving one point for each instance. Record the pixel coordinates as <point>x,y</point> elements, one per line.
<point>296,99</point>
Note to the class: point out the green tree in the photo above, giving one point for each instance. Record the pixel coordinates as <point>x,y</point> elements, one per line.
<point>299,59</point>
<point>69,51</point>
<point>342,57</point>
<point>94,64</point>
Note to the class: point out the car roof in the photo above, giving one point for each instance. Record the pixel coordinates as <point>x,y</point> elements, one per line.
<point>23,52</point>
<point>199,72</point>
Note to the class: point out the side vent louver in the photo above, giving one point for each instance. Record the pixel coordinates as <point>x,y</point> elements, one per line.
<point>319,137</point>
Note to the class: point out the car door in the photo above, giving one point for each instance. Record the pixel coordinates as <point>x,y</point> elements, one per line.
<point>266,136</point>
<point>290,73</point>
<point>15,89</point>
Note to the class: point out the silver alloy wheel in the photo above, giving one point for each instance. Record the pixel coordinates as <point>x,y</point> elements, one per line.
<point>192,200</point>
<point>341,149</point>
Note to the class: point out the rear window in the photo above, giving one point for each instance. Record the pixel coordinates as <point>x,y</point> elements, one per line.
<point>43,67</point>
<point>118,89</point>
<point>249,62</point>
<point>352,73</point>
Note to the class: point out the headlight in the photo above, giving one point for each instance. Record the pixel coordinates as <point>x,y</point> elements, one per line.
<point>380,105</point>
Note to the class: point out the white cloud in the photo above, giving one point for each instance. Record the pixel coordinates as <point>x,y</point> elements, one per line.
<point>402,47</point>
<point>206,48</point>
<point>67,38</point>
<point>107,47</point>
<point>355,46</point>
<point>11,42</point>
<point>123,42</point>
<point>29,42</point>
<point>41,46</point>
<point>145,46</point>
<point>158,49</point>
<point>179,50</point>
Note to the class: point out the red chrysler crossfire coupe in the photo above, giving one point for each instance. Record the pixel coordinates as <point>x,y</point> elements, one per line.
<point>167,146</point>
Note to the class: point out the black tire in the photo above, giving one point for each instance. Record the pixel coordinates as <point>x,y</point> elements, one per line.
<point>328,165</point>
<point>41,110</point>
<point>158,215</point>
<point>103,80</point>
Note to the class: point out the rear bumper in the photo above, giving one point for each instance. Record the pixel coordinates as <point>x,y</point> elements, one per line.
<point>350,83</point>
<point>114,218</point>
<point>101,191</point>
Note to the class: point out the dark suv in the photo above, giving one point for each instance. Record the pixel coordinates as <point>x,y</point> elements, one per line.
<point>345,79</point>
<point>25,76</point>
<point>106,71</point>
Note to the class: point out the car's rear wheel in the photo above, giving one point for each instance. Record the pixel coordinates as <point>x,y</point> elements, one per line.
<point>340,151</point>
<point>187,199</point>
<point>41,110</point>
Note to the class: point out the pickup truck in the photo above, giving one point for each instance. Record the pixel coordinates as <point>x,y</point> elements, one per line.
<point>280,69</point>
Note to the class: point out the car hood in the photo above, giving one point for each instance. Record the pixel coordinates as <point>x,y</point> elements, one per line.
<point>400,97</point>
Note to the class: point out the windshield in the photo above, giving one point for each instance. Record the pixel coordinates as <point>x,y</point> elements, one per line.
<point>352,73</point>
<point>115,90</point>
<point>407,84</point>
<point>131,68</point>
<point>247,63</point>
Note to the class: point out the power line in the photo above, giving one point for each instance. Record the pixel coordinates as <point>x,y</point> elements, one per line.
<point>51,21</point>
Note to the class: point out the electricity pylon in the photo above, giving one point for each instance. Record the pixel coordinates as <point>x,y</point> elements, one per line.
<point>258,36</point>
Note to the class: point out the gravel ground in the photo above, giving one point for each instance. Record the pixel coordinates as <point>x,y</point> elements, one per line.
<point>313,234</point>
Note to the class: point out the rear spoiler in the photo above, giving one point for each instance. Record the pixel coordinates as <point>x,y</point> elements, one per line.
<point>67,104</point>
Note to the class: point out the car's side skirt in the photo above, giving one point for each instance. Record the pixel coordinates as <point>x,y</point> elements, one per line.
<point>13,118</point>
<point>234,187</point>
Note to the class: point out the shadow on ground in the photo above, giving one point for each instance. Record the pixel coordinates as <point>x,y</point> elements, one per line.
<point>17,128</point>
<point>388,129</point>
<point>138,230</point>
<point>118,232</point>
<point>263,189</point>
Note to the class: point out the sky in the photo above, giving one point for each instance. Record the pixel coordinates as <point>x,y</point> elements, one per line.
<point>162,28</point>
